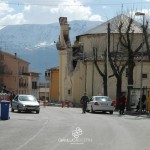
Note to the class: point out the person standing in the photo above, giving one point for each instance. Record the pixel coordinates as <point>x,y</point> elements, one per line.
<point>122,103</point>
<point>84,100</point>
<point>12,96</point>
<point>144,103</point>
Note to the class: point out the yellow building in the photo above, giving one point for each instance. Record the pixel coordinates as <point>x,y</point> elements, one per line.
<point>52,75</point>
<point>15,76</point>
<point>78,74</point>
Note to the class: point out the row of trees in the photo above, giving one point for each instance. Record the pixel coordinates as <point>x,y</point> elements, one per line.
<point>121,59</point>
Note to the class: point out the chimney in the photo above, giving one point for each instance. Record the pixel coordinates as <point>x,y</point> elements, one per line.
<point>15,55</point>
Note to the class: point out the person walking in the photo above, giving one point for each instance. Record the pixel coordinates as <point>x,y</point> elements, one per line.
<point>122,103</point>
<point>84,100</point>
<point>144,103</point>
<point>12,96</point>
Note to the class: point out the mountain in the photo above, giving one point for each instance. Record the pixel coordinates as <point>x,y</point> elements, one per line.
<point>35,43</point>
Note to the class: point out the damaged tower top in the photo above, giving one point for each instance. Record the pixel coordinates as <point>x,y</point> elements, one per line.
<point>63,20</point>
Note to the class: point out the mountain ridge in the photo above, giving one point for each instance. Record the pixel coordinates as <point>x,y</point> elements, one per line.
<point>35,42</point>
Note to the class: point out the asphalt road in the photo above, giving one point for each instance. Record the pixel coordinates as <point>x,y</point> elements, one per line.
<point>58,128</point>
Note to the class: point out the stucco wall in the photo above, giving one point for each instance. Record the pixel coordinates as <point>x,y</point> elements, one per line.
<point>85,73</point>
<point>54,85</point>
<point>13,69</point>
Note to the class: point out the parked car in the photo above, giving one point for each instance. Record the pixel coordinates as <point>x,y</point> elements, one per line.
<point>101,103</point>
<point>25,103</point>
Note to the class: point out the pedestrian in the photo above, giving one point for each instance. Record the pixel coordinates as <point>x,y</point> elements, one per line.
<point>12,96</point>
<point>144,103</point>
<point>122,103</point>
<point>84,100</point>
<point>138,106</point>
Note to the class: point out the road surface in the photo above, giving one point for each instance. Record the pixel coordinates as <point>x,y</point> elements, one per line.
<point>57,128</point>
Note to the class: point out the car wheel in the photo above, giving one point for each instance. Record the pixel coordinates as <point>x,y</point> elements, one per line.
<point>92,111</point>
<point>111,112</point>
<point>104,112</point>
<point>37,111</point>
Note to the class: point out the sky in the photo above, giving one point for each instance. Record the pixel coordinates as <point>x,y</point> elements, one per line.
<point>14,12</point>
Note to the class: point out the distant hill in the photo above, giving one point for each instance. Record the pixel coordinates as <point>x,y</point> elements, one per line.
<point>35,43</point>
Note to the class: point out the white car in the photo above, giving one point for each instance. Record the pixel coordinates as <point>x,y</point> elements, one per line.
<point>100,103</point>
<point>25,103</point>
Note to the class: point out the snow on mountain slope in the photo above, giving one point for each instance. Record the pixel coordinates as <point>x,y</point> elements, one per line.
<point>35,43</point>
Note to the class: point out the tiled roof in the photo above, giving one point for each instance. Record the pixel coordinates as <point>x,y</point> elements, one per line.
<point>114,23</point>
<point>13,56</point>
<point>54,68</point>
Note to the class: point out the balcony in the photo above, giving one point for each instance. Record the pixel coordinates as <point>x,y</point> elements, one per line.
<point>47,75</point>
<point>23,85</point>
<point>6,72</point>
<point>24,73</point>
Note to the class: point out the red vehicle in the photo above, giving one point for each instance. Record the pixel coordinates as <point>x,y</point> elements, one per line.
<point>114,102</point>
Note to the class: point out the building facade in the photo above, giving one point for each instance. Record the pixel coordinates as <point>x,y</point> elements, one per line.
<point>15,76</point>
<point>34,84</point>
<point>52,75</point>
<point>79,74</point>
<point>43,91</point>
<point>14,73</point>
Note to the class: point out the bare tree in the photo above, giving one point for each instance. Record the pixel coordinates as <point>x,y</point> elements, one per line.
<point>103,74</point>
<point>100,54</point>
<point>146,37</point>
<point>118,63</point>
<point>126,39</point>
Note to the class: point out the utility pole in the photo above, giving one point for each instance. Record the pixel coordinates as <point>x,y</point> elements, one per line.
<point>107,57</point>
<point>141,80</point>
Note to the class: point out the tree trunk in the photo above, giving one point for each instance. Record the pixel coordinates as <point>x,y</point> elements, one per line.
<point>131,66</point>
<point>119,90</point>
<point>105,85</point>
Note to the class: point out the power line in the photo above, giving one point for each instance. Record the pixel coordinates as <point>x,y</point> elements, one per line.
<point>52,4</point>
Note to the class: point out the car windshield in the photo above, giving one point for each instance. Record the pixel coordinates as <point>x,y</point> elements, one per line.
<point>27,98</point>
<point>103,99</point>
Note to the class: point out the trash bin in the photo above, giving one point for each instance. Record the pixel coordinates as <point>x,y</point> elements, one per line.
<point>4,114</point>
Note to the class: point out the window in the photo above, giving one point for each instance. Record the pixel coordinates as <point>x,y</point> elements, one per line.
<point>69,91</point>
<point>23,69</point>
<point>1,57</point>
<point>144,76</point>
<point>34,85</point>
<point>47,74</point>
<point>127,71</point>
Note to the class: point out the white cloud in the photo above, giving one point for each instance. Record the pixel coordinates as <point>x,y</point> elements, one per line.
<point>44,12</point>
<point>9,16</point>
<point>95,18</point>
<point>4,8</point>
<point>104,7</point>
<point>73,10</point>
<point>13,19</point>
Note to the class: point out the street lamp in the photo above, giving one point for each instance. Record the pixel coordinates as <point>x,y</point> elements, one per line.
<point>141,82</point>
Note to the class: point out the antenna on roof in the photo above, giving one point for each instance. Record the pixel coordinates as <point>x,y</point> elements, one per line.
<point>15,55</point>
<point>122,9</point>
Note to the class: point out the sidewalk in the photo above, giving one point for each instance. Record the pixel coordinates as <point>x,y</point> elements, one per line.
<point>138,114</point>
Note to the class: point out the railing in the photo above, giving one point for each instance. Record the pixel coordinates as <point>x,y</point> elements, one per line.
<point>24,73</point>
<point>7,72</point>
<point>23,85</point>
